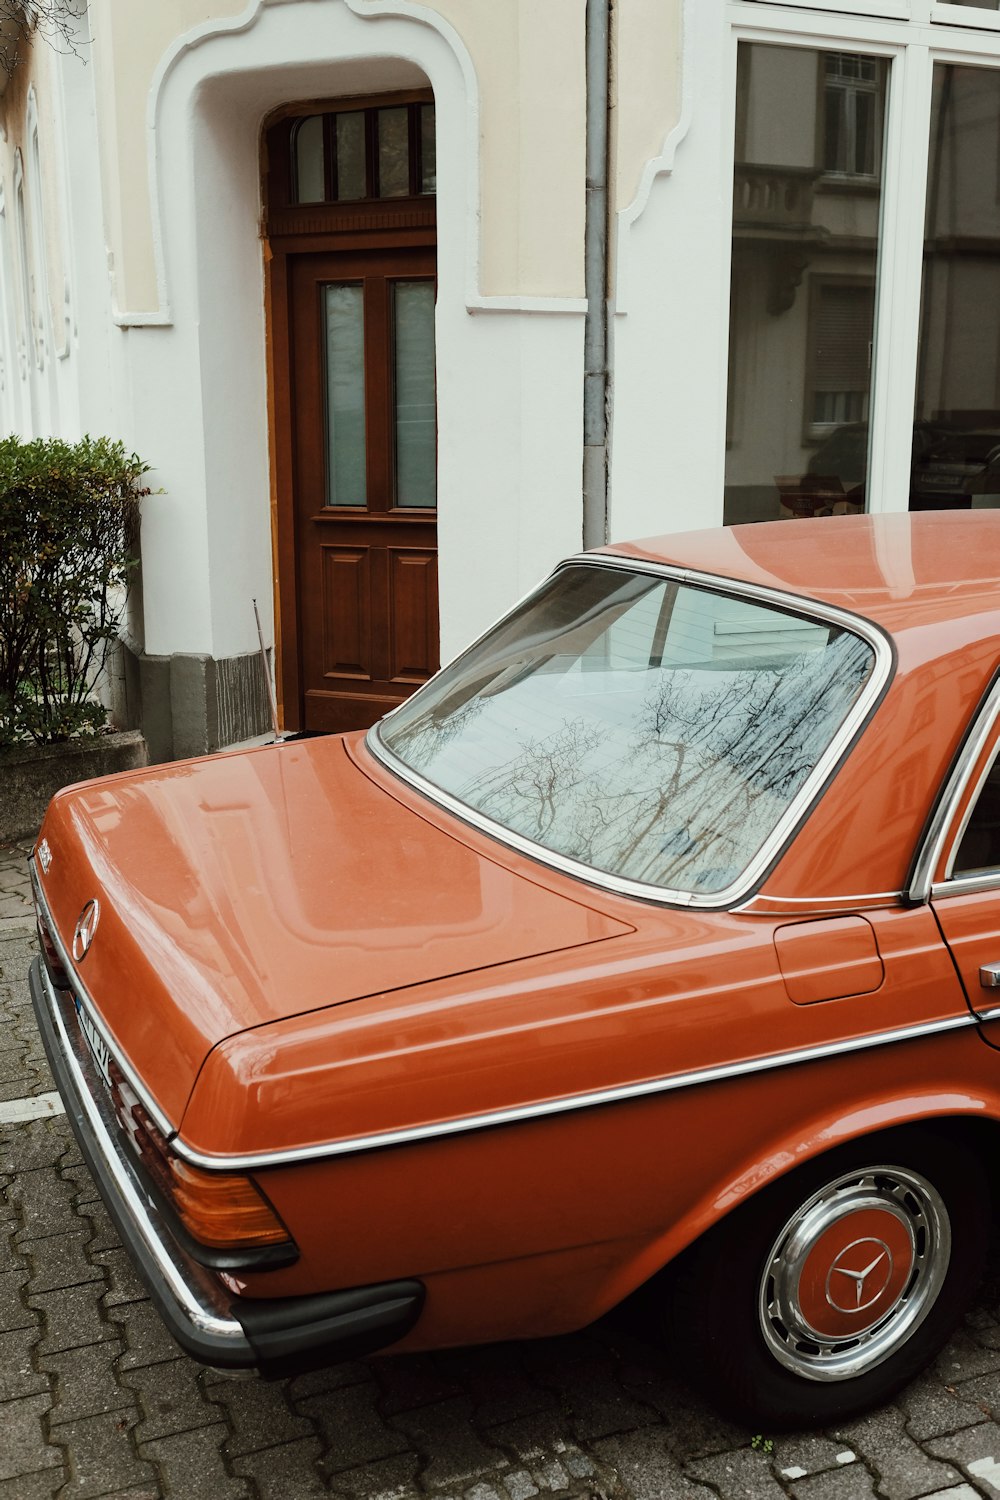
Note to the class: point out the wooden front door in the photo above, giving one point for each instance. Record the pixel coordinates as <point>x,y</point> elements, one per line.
<point>352,291</point>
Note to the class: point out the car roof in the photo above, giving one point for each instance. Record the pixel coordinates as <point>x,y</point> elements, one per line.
<point>901,571</point>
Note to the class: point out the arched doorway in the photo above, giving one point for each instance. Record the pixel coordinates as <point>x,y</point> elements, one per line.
<point>350,227</point>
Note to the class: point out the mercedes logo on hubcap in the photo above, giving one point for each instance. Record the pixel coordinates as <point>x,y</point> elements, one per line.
<point>859,1275</point>
<point>86,926</point>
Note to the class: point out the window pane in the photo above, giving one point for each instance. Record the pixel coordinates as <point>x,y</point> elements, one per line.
<point>309,180</point>
<point>806,208</point>
<point>350,135</point>
<point>428,150</point>
<point>393,153</point>
<point>980,846</point>
<point>956,459</point>
<point>977,4</point>
<point>642,727</point>
<point>413,384</point>
<point>345,395</point>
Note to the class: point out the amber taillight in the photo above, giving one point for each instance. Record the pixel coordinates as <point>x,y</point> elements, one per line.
<point>221,1210</point>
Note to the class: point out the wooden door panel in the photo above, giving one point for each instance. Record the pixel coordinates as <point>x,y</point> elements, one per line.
<point>347,612</point>
<point>413,611</point>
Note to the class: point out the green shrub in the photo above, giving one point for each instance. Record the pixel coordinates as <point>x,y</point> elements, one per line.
<point>68,542</point>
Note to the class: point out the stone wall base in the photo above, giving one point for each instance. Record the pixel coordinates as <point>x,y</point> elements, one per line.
<point>30,776</point>
<point>190,705</point>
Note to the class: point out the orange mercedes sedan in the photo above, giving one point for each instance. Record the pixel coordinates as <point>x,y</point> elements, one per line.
<point>661,929</point>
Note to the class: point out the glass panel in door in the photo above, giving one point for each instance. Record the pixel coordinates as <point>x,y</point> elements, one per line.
<point>344,368</point>
<point>956,460</point>
<point>807,195</point>
<point>415,425</point>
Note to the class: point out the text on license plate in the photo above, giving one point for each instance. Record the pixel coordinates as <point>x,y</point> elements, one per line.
<point>98,1046</point>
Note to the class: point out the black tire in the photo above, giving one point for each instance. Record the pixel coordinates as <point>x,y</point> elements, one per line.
<point>766,1301</point>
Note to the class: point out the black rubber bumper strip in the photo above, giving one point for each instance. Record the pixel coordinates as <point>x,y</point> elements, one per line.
<point>278,1335</point>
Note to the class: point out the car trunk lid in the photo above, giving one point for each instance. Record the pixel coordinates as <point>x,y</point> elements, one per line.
<point>252,887</point>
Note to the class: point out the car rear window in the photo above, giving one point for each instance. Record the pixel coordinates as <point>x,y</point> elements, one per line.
<point>644,728</point>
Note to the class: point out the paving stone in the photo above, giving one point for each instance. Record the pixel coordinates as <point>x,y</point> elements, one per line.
<point>191,1466</point>
<point>932,1408</point>
<point>35,1144</point>
<point>414,1380</point>
<point>104,1235</point>
<point>851,1483</point>
<point>17,1374</point>
<point>980,1396</point>
<point>976,1451</point>
<point>520,1485</point>
<point>146,1339</point>
<point>743,1475</point>
<point>24,1449</point>
<point>44,1203</point>
<point>454,1452</point>
<point>72,1317</point>
<point>694,1428</point>
<point>352,1429</point>
<point>79,1174</point>
<point>39,1486</point>
<point>123,1281</point>
<point>392,1479</point>
<point>963,1358</point>
<point>501,1391</point>
<point>14,1313</point>
<point>807,1451</point>
<point>332,1378</point>
<point>102,1461</point>
<point>170,1399</point>
<point>647,1469</point>
<point>904,1470</point>
<point>85,1381</point>
<point>258,1414</point>
<point>59,1262</point>
<point>289,1472</point>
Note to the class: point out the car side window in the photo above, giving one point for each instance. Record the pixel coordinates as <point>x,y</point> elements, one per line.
<point>980,846</point>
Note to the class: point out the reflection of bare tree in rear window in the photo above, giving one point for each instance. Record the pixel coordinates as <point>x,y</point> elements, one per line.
<point>642,727</point>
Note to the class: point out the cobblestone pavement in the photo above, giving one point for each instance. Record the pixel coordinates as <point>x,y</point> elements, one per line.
<point>96,1399</point>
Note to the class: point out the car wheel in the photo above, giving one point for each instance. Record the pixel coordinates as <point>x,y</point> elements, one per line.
<point>836,1285</point>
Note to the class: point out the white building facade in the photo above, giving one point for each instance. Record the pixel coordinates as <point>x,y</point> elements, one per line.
<point>324,265</point>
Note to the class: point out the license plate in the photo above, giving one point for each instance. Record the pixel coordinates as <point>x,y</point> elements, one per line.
<point>98,1046</point>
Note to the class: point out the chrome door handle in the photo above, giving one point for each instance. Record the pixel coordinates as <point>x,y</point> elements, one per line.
<point>989,976</point>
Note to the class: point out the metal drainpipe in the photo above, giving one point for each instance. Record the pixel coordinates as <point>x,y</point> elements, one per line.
<point>595,339</point>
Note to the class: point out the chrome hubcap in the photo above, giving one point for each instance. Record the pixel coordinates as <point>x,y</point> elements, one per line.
<point>854,1272</point>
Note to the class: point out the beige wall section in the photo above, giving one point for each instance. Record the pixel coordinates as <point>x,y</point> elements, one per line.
<point>529,62</point>
<point>646,90</point>
<point>129,40</point>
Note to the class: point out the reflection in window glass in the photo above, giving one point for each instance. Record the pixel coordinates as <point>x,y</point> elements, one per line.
<point>345,395</point>
<point>350,137</point>
<point>980,847</point>
<point>977,4</point>
<point>806,208</point>
<point>956,459</point>
<point>309,171</point>
<point>641,727</point>
<point>413,393</point>
<point>428,150</point>
<point>393,153</point>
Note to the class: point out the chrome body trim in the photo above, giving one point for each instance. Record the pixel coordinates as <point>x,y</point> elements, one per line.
<point>780,835</point>
<point>771,905</point>
<point>993,1014</point>
<point>199,1296</point>
<point>922,884</point>
<point>85,999</point>
<point>519,1114</point>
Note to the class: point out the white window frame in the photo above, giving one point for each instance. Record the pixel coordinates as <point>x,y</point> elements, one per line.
<point>913,35</point>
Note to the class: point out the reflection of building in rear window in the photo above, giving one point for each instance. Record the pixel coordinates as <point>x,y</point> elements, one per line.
<point>980,846</point>
<point>841,318</point>
<point>852,114</point>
